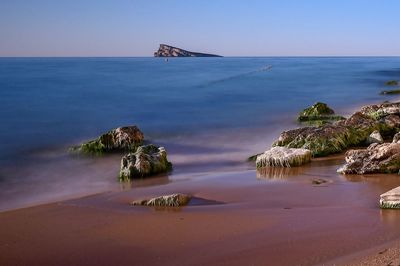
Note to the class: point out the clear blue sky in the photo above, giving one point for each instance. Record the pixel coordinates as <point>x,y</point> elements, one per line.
<point>226,27</point>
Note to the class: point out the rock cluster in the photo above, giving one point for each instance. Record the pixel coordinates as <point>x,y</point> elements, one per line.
<point>141,160</point>
<point>338,137</point>
<point>170,51</point>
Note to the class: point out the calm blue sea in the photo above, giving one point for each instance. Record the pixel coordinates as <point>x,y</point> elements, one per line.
<point>192,104</point>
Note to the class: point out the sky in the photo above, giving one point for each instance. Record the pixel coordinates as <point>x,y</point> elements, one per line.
<point>224,27</point>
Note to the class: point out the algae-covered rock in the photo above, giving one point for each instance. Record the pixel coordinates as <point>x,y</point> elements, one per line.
<point>321,141</point>
<point>377,158</point>
<point>283,157</point>
<point>392,83</point>
<point>389,92</point>
<point>318,113</point>
<point>120,139</point>
<point>390,199</point>
<point>375,137</point>
<point>145,161</point>
<point>174,200</point>
<point>338,137</point>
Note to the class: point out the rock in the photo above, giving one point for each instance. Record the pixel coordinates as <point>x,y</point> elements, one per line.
<point>390,92</point>
<point>378,111</point>
<point>283,157</point>
<point>147,160</point>
<point>174,200</point>
<point>392,83</point>
<point>396,138</point>
<point>339,136</point>
<point>120,139</point>
<point>318,113</point>
<point>390,199</point>
<point>375,137</point>
<point>170,51</point>
<point>318,181</point>
<point>321,141</point>
<point>377,158</point>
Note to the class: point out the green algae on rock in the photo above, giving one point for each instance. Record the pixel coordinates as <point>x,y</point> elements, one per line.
<point>174,200</point>
<point>318,113</point>
<point>338,137</point>
<point>392,83</point>
<point>388,92</point>
<point>283,157</point>
<point>145,161</point>
<point>120,139</point>
<point>390,199</point>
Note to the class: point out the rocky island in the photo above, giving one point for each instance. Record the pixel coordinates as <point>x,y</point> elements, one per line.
<point>170,51</point>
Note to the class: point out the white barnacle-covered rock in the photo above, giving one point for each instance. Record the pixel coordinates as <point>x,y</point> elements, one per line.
<point>283,157</point>
<point>174,200</point>
<point>390,199</point>
<point>375,137</point>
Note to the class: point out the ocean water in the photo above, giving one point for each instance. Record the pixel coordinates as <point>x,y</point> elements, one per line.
<point>210,113</point>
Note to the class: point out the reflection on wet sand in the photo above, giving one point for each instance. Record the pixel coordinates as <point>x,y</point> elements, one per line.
<point>145,182</point>
<point>390,217</point>
<point>278,172</point>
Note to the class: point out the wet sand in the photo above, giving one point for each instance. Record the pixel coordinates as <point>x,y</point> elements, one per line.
<point>266,218</point>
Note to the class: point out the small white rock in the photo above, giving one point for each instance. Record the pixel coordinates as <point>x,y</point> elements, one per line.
<point>390,199</point>
<point>283,157</point>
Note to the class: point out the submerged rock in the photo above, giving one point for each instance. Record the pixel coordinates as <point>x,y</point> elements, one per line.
<point>390,199</point>
<point>318,113</point>
<point>375,137</point>
<point>120,139</point>
<point>283,157</point>
<point>392,83</point>
<point>147,160</point>
<point>386,92</point>
<point>377,158</point>
<point>174,200</point>
<point>318,181</point>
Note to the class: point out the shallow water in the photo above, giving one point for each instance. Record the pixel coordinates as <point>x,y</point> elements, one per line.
<point>209,113</point>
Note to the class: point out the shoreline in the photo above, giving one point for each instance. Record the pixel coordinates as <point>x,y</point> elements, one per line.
<point>263,222</point>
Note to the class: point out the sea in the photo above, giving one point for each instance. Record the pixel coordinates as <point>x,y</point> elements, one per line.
<point>210,114</point>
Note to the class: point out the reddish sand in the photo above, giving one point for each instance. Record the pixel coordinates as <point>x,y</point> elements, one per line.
<point>256,220</point>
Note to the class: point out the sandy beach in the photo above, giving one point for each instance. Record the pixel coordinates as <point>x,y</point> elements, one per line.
<point>241,218</point>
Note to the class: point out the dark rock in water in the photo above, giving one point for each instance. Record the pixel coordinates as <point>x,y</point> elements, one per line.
<point>390,199</point>
<point>174,200</point>
<point>283,157</point>
<point>318,181</point>
<point>318,112</point>
<point>392,83</point>
<point>337,137</point>
<point>377,158</point>
<point>170,51</point>
<point>390,92</point>
<point>146,161</point>
<point>120,139</point>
